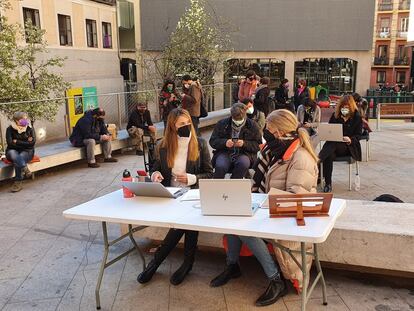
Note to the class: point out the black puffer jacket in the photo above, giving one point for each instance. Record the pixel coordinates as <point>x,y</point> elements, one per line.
<point>249,133</point>
<point>201,168</point>
<point>22,139</point>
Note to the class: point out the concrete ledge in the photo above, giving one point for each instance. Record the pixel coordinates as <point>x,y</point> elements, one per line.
<point>63,152</point>
<point>369,234</point>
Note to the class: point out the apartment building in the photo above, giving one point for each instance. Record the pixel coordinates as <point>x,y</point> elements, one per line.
<point>83,31</point>
<point>391,58</point>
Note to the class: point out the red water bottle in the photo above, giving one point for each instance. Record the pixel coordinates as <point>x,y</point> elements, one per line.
<point>126,176</point>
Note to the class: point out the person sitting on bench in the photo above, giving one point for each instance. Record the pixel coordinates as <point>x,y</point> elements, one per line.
<point>90,130</point>
<point>346,113</point>
<point>140,124</point>
<point>21,139</point>
<point>236,142</point>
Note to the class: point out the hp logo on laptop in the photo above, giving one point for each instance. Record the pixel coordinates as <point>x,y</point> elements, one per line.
<point>225,196</point>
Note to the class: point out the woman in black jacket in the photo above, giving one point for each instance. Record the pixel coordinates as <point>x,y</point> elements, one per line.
<point>282,97</point>
<point>181,160</point>
<point>261,98</point>
<point>21,138</point>
<point>346,113</point>
<point>301,94</point>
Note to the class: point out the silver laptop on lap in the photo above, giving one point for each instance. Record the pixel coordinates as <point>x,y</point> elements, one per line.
<point>330,132</point>
<point>229,197</point>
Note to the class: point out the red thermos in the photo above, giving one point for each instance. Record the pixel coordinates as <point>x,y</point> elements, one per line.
<point>126,176</point>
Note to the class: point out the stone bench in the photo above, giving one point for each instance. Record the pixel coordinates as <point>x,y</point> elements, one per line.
<point>54,154</point>
<point>368,235</point>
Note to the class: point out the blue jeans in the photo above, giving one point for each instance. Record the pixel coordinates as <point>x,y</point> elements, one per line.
<point>257,247</point>
<point>238,167</point>
<point>20,160</point>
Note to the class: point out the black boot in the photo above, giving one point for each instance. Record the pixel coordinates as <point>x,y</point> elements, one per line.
<point>179,275</point>
<point>232,271</point>
<point>276,289</point>
<point>146,275</point>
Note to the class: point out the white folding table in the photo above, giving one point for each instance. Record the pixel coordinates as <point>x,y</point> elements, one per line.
<point>174,213</point>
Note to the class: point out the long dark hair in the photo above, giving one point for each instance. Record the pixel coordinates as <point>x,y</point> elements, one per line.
<point>166,82</point>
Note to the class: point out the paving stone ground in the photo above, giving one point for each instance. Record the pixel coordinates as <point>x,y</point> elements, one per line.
<point>49,263</point>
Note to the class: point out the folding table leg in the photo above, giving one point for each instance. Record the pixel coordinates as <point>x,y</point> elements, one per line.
<point>103,265</point>
<point>131,236</point>
<point>305,276</point>
<point>319,269</point>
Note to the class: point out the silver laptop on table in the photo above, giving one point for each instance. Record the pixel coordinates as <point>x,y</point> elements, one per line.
<point>330,132</point>
<point>229,197</point>
<point>152,189</point>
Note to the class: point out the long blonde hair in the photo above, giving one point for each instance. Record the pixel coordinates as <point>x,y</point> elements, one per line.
<point>170,139</point>
<point>286,122</point>
<point>346,100</point>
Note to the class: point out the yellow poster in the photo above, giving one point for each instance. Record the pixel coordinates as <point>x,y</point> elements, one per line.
<point>75,105</point>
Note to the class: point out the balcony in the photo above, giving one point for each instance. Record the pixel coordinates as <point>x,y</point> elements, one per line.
<point>383,60</point>
<point>404,5</point>
<point>384,33</point>
<point>385,6</point>
<point>109,2</point>
<point>401,61</point>
<point>402,34</point>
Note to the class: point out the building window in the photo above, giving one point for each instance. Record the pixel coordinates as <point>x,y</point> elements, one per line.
<point>384,30</point>
<point>32,16</point>
<point>404,24</point>
<point>381,76</point>
<point>65,30</point>
<point>106,35</point>
<point>400,77</point>
<point>91,33</point>
<point>382,51</point>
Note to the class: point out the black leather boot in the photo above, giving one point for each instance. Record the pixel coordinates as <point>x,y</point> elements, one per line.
<point>179,275</point>
<point>146,275</point>
<point>276,289</point>
<point>232,271</point>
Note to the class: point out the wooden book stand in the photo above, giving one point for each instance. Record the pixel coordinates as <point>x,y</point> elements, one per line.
<point>299,206</point>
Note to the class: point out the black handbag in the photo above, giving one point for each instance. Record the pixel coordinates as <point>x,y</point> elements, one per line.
<point>203,109</point>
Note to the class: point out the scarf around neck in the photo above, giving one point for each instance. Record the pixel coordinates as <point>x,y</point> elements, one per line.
<point>18,128</point>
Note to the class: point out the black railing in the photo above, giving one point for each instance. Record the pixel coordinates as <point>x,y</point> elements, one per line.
<point>110,2</point>
<point>384,6</point>
<point>401,61</point>
<point>381,61</point>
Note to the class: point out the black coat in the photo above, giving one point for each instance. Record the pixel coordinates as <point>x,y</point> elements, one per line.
<point>281,95</point>
<point>139,120</point>
<point>22,139</point>
<point>250,134</point>
<point>353,129</point>
<point>301,99</point>
<point>201,168</point>
<point>261,100</point>
<point>87,127</point>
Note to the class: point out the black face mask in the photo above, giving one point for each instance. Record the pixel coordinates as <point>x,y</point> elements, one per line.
<point>269,137</point>
<point>184,131</point>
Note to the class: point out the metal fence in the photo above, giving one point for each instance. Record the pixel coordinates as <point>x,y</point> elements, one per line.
<point>118,107</point>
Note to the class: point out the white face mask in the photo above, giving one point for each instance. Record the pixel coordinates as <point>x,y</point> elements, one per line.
<point>187,85</point>
<point>238,122</point>
<point>345,111</point>
<point>250,110</point>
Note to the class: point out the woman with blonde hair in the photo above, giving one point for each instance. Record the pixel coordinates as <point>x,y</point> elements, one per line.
<point>181,160</point>
<point>287,162</point>
<point>346,113</point>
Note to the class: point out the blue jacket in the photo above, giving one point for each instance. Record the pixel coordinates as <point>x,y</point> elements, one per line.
<point>87,127</point>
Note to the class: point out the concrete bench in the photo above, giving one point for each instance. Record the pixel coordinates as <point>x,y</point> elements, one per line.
<point>63,152</point>
<point>369,234</point>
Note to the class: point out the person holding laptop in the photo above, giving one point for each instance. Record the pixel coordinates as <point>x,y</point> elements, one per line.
<point>235,141</point>
<point>286,162</point>
<point>181,160</point>
<point>346,113</point>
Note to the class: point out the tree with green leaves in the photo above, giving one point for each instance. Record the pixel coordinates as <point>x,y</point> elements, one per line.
<point>27,74</point>
<point>198,46</point>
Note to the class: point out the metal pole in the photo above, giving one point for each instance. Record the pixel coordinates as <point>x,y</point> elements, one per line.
<point>319,269</point>
<point>118,99</point>
<point>1,137</point>
<point>103,264</point>
<point>305,276</point>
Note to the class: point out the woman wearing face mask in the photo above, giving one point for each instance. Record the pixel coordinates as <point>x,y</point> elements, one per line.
<point>255,114</point>
<point>287,162</point>
<point>181,160</point>
<point>309,117</point>
<point>235,141</point>
<point>346,113</point>
<point>21,138</point>
<point>282,96</point>
<point>301,94</point>
<point>169,99</point>
<point>248,86</point>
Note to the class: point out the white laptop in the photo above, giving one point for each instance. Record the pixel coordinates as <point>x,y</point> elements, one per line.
<point>153,189</point>
<point>330,132</point>
<point>229,197</point>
